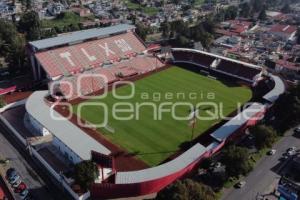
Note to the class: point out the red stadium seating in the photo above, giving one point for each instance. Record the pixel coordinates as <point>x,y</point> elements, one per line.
<point>78,57</point>
<point>202,59</point>
<point>238,69</point>
<point>86,83</point>
<point>230,67</point>
<point>87,67</point>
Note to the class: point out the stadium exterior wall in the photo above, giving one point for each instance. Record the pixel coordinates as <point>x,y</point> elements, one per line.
<point>104,191</point>
<point>109,190</point>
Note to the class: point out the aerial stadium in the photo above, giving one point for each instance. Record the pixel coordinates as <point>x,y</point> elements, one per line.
<point>88,69</point>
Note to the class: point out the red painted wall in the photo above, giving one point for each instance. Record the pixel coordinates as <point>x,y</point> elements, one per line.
<point>109,190</point>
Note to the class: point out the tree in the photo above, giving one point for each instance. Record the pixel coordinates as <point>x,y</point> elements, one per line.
<point>16,56</point>
<point>179,27</point>
<point>187,190</point>
<point>236,160</point>
<point>30,25</point>
<point>47,33</point>
<point>215,179</point>
<point>85,173</point>
<point>206,163</point>
<point>262,15</point>
<point>27,4</point>
<point>245,9</point>
<point>142,31</point>
<point>208,41</point>
<point>286,8</point>
<point>8,33</point>
<point>12,47</point>
<point>2,102</point>
<point>182,41</point>
<point>298,35</point>
<point>264,136</point>
<point>286,109</point>
<point>257,5</point>
<point>209,25</point>
<point>166,29</point>
<point>231,12</point>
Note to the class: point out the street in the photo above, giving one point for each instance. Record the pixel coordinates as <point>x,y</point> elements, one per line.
<point>28,175</point>
<point>27,169</point>
<point>263,179</point>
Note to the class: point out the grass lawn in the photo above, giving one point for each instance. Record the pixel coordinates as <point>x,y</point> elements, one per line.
<point>199,2</point>
<point>154,140</point>
<point>65,19</point>
<point>151,11</point>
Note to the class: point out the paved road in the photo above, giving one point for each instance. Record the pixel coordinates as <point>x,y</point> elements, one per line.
<point>28,175</point>
<point>34,175</point>
<point>264,177</point>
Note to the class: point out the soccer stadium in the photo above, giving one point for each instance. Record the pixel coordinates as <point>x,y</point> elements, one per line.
<point>140,156</point>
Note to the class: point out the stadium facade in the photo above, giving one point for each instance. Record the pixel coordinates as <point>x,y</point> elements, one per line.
<point>119,54</point>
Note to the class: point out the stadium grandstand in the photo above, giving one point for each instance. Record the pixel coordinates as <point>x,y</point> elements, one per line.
<point>241,70</point>
<point>114,53</point>
<point>82,63</point>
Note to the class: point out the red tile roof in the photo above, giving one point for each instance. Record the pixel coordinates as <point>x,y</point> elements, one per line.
<point>287,64</point>
<point>225,32</point>
<point>287,29</point>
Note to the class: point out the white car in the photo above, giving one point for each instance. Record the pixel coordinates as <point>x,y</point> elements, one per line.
<point>272,152</point>
<point>291,153</point>
<point>292,149</point>
<point>17,183</point>
<point>240,184</point>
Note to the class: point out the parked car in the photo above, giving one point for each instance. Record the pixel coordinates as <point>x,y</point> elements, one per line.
<point>297,130</point>
<point>240,184</point>
<point>285,157</point>
<point>14,179</point>
<point>22,186</point>
<point>29,197</point>
<point>292,149</point>
<point>2,195</point>
<point>272,152</point>
<point>24,194</point>
<point>17,183</point>
<point>291,153</point>
<point>11,172</point>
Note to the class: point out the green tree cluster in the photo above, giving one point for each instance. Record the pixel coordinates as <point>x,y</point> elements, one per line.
<point>187,190</point>
<point>12,47</point>
<point>287,109</point>
<point>264,136</point>
<point>30,25</point>
<point>185,34</point>
<point>85,173</point>
<point>236,160</point>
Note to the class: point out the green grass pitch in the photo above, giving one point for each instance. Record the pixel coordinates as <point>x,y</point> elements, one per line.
<point>154,140</point>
